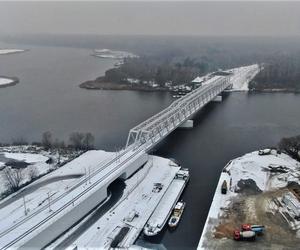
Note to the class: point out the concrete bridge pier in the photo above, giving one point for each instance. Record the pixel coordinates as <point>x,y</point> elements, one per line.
<point>218,98</point>
<point>187,124</point>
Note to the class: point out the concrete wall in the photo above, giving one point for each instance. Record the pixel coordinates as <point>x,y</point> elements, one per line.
<point>135,165</point>
<point>70,218</point>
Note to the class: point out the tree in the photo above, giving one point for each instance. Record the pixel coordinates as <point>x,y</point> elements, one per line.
<point>19,141</point>
<point>47,140</point>
<point>33,173</point>
<point>76,140</point>
<point>88,141</point>
<point>291,145</point>
<point>57,144</point>
<point>13,178</point>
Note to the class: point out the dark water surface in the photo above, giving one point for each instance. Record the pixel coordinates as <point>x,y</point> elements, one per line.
<point>48,98</point>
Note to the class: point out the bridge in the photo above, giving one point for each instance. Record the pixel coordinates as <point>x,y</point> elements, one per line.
<point>40,227</point>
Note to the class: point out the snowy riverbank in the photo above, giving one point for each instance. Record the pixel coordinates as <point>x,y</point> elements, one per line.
<point>5,81</point>
<point>112,54</point>
<point>11,51</point>
<point>31,162</point>
<point>257,185</point>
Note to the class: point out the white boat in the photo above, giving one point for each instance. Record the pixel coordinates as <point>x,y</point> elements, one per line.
<point>177,213</point>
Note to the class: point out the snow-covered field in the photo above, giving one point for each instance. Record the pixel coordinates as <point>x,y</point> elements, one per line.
<point>250,166</point>
<point>10,51</point>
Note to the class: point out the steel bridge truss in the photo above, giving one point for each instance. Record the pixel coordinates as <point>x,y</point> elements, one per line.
<point>160,125</point>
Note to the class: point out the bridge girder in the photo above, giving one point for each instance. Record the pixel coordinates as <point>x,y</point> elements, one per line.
<point>171,117</point>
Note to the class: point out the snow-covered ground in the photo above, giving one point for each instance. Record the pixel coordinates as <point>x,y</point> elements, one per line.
<point>113,54</point>
<point>32,156</point>
<point>10,51</point>
<point>51,185</point>
<point>250,166</point>
<point>36,162</point>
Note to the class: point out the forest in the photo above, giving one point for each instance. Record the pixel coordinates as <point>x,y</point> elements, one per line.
<point>280,72</point>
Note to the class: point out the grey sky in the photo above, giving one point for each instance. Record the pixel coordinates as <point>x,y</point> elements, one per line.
<point>176,18</point>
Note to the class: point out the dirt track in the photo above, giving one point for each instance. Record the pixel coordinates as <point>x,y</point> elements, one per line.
<point>253,209</point>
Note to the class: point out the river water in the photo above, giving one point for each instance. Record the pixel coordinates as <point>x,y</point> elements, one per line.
<point>48,98</point>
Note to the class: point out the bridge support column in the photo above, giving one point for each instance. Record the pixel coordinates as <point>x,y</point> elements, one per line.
<point>218,98</point>
<point>187,124</point>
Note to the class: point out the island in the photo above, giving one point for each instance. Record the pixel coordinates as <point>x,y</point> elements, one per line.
<point>8,81</point>
<point>11,51</point>
<point>146,73</point>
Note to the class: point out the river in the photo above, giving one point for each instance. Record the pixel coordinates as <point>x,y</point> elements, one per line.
<point>48,98</point>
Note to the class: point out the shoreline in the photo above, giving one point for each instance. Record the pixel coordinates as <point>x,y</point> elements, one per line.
<point>14,81</point>
<point>275,91</point>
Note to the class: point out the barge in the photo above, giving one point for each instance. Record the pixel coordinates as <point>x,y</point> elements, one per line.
<point>167,203</point>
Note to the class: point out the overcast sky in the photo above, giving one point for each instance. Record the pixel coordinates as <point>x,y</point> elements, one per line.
<point>153,18</point>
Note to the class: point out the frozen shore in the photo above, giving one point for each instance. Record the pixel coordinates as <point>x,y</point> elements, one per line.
<point>256,187</point>
<point>112,54</point>
<point>6,81</point>
<point>11,51</point>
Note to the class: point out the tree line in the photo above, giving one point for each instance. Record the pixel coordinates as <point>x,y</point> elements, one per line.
<point>76,141</point>
<point>280,71</point>
<point>13,172</point>
<point>157,69</point>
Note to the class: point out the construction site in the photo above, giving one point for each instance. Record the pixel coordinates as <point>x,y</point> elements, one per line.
<point>262,192</point>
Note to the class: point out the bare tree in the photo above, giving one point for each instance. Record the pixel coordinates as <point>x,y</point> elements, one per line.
<point>32,173</point>
<point>19,141</point>
<point>47,140</point>
<point>76,140</point>
<point>13,178</point>
<point>291,145</point>
<point>88,141</point>
<point>57,144</point>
